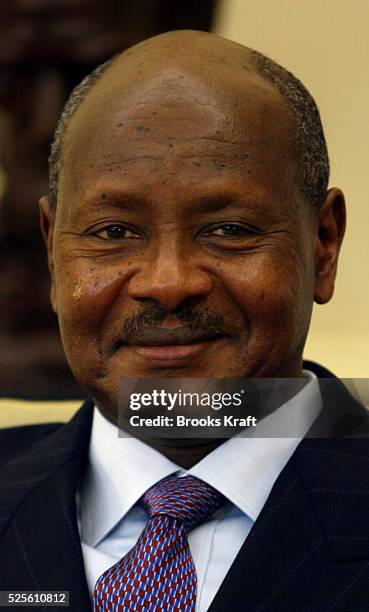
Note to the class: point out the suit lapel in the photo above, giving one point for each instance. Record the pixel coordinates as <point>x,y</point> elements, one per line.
<point>275,546</point>
<point>311,540</point>
<point>40,545</point>
<point>310,543</point>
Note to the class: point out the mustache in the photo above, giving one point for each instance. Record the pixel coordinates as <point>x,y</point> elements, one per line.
<point>194,322</point>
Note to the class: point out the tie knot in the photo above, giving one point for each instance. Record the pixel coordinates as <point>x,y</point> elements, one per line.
<point>186,499</point>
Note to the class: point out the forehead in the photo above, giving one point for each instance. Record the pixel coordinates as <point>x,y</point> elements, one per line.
<point>181,127</point>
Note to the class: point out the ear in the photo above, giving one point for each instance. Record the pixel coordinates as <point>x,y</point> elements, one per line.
<point>330,229</point>
<point>47,223</point>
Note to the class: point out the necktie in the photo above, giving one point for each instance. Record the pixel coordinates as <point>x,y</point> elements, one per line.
<point>158,573</point>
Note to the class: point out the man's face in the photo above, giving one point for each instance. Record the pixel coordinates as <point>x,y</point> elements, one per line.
<point>181,245</point>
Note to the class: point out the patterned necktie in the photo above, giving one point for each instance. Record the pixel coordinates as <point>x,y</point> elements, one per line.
<point>158,573</point>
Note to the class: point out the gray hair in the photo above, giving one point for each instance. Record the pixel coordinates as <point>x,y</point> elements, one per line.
<point>309,134</point>
<point>71,106</point>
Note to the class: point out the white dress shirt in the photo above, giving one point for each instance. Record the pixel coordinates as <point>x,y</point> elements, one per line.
<point>243,469</point>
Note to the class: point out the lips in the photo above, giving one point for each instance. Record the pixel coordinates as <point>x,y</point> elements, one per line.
<point>167,346</point>
<point>171,337</point>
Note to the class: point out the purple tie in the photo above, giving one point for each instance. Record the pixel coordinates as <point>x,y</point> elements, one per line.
<point>158,573</point>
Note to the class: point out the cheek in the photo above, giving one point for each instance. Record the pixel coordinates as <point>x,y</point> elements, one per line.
<point>273,297</point>
<point>85,296</point>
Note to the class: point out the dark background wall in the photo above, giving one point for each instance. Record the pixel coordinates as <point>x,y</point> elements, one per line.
<point>47,47</point>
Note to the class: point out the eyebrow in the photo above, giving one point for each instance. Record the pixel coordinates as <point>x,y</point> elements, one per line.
<point>130,201</point>
<point>208,203</point>
<point>204,204</point>
<point>125,201</point>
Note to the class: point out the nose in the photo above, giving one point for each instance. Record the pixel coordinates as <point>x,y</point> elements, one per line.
<point>170,276</point>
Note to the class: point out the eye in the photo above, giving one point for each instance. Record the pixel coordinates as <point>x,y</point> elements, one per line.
<point>229,230</point>
<point>115,232</point>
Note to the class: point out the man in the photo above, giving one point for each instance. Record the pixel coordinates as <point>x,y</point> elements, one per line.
<point>189,230</point>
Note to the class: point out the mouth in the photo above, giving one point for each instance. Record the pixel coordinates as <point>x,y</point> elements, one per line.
<point>166,346</point>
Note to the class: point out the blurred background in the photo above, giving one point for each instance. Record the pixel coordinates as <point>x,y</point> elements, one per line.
<point>48,46</point>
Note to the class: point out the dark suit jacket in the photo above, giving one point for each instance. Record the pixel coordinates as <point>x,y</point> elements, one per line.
<point>307,552</point>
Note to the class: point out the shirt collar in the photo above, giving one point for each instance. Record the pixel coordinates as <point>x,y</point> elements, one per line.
<point>244,469</point>
<point>119,472</point>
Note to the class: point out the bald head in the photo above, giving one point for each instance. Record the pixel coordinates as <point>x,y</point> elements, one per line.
<point>188,67</point>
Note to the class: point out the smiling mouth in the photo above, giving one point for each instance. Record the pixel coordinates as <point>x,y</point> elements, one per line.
<point>171,345</point>
<point>172,353</point>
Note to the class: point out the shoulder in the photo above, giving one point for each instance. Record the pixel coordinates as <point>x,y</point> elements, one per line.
<point>14,440</point>
<point>18,439</point>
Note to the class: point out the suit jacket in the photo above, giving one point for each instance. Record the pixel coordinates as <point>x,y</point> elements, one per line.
<point>307,552</point>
